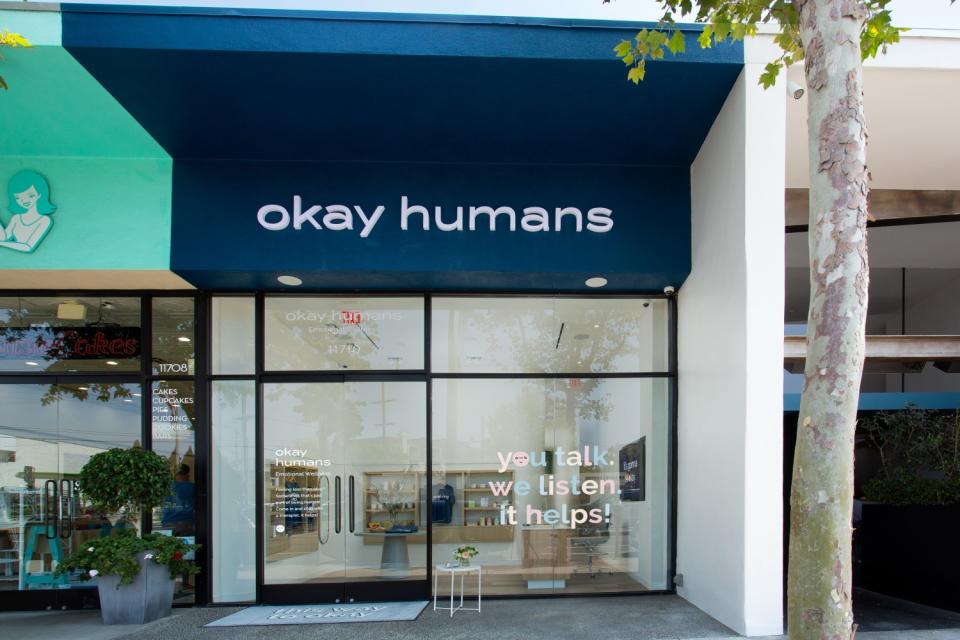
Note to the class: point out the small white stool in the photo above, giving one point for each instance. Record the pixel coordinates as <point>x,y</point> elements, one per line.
<point>453,571</point>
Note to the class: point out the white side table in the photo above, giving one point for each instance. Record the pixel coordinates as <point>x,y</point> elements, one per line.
<point>454,571</point>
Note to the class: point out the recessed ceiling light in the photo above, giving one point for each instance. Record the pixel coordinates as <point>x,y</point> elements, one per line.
<point>81,388</point>
<point>596,282</point>
<point>31,363</point>
<point>136,395</point>
<point>183,339</point>
<point>112,363</point>
<point>127,400</point>
<point>596,326</point>
<point>290,281</point>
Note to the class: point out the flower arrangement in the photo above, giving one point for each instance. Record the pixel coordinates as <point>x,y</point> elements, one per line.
<point>391,495</point>
<point>463,554</point>
<point>116,555</point>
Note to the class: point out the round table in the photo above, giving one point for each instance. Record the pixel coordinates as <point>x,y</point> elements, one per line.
<point>454,572</point>
<point>394,554</point>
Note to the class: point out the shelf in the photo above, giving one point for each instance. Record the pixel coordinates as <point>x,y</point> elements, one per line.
<point>407,492</point>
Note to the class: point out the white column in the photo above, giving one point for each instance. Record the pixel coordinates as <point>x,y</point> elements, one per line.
<point>729,546</point>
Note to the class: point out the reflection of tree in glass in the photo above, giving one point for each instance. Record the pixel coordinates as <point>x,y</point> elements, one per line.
<point>329,409</point>
<point>100,391</point>
<point>168,348</point>
<point>539,339</point>
<point>333,340</point>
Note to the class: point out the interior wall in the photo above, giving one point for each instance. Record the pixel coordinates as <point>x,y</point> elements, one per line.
<point>729,538</point>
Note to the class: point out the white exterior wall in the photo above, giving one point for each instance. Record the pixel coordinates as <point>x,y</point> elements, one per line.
<point>729,540</point>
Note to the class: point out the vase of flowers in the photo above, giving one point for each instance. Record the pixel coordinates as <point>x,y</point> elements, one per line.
<point>463,554</point>
<point>391,497</point>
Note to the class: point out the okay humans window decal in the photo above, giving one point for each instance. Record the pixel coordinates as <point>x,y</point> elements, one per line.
<point>28,197</point>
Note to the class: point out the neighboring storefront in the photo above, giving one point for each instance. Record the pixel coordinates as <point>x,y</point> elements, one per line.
<point>433,290</point>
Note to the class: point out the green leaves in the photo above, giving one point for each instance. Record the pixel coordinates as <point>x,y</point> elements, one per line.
<point>649,44</point>
<point>13,40</point>
<point>769,76</point>
<point>126,481</point>
<point>677,43</point>
<point>115,555</point>
<point>878,32</point>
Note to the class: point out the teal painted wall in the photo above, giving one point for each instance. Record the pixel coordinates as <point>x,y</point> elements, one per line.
<point>111,213</point>
<point>109,178</point>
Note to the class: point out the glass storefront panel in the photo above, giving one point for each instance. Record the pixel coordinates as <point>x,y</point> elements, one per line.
<point>343,464</point>
<point>70,334</point>
<point>173,336</point>
<point>233,423</point>
<point>561,483</point>
<point>549,335</point>
<point>232,340</point>
<point>47,433</point>
<point>343,334</point>
<point>173,433</point>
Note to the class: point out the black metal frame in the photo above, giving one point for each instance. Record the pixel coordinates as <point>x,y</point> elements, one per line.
<point>375,590</point>
<point>145,378</point>
<point>204,378</point>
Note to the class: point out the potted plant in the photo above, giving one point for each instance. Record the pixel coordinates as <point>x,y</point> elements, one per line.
<point>911,507</point>
<point>135,575</point>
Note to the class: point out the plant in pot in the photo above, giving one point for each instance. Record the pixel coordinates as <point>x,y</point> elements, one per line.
<point>911,507</point>
<point>135,574</point>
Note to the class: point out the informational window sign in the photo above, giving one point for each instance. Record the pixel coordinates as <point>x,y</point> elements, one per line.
<point>172,410</point>
<point>69,343</point>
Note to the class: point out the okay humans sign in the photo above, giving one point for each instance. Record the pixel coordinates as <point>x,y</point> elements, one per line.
<point>339,217</point>
<point>29,201</point>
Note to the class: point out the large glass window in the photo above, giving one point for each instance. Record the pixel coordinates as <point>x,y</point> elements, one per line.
<point>233,490</point>
<point>561,483</point>
<point>47,433</point>
<point>338,334</point>
<point>233,336</point>
<point>173,336</point>
<point>70,334</point>
<point>549,335</point>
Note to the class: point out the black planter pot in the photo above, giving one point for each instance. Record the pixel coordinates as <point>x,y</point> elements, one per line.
<point>149,597</point>
<point>910,552</point>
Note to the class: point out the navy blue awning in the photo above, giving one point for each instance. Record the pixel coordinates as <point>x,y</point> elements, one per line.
<point>367,92</point>
<point>382,87</point>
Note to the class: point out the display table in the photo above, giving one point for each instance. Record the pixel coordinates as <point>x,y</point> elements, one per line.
<point>394,554</point>
<point>462,572</point>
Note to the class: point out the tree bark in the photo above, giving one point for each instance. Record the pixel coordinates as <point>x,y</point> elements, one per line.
<point>821,502</point>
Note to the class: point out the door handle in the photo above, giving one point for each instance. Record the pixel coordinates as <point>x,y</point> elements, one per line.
<point>49,517</point>
<point>66,493</point>
<point>323,528</point>
<point>352,518</point>
<point>337,510</point>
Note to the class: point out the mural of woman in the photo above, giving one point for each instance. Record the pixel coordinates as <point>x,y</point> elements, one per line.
<point>29,202</point>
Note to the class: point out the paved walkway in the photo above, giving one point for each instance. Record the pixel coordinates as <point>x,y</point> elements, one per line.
<point>636,618</point>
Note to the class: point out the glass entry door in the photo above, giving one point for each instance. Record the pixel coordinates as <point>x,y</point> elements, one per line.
<point>344,491</point>
<point>47,433</point>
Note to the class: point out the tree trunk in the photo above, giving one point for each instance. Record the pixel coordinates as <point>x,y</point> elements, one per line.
<point>821,503</point>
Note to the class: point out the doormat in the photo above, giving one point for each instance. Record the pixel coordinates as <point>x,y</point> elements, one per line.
<point>323,614</point>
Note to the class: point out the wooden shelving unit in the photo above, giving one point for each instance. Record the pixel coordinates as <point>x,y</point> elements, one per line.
<point>473,504</point>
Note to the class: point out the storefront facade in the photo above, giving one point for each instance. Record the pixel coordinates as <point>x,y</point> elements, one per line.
<point>456,301</point>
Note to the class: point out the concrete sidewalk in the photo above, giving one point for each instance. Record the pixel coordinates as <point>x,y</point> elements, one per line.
<point>614,618</point>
